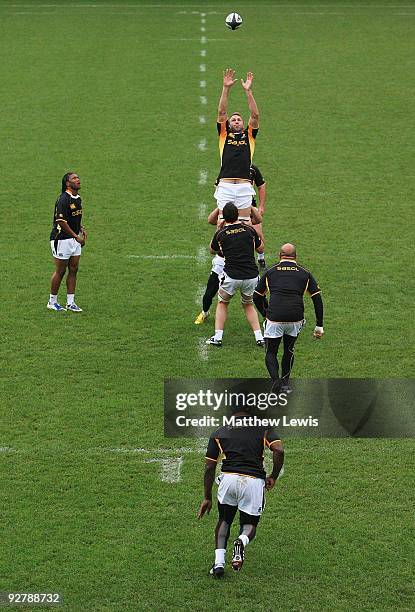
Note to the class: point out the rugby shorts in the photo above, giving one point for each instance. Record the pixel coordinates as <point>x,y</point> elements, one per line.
<point>275,329</point>
<point>240,194</point>
<point>217,265</point>
<point>245,492</point>
<point>230,285</point>
<point>65,248</point>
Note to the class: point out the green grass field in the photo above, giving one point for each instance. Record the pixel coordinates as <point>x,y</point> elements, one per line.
<point>112,91</point>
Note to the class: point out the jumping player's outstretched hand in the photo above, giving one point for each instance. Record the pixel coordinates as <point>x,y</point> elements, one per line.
<point>269,483</point>
<point>228,79</point>
<point>205,506</point>
<point>248,83</point>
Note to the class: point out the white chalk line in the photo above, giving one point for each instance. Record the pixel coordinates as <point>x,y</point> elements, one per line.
<point>202,211</point>
<point>176,256</point>
<point>202,145</point>
<point>202,84</point>
<point>203,177</point>
<point>170,469</point>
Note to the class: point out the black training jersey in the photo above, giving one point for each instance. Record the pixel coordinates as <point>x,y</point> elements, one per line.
<point>237,243</point>
<point>236,151</point>
<point>67,208</point>
<point>242,448</point>
<point>286,283</point>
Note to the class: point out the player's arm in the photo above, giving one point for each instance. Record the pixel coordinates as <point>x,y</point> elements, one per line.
<point>255,216</point>
<point>213,217</point>
<point>252,105</point>
<point>211,459</point>
<point>277,462</point>
<point>259,244</point>
<point>262,195</point>
<point>315,294</point>
<point>228,81</point>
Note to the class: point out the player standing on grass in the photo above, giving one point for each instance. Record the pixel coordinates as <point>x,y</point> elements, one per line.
<point>218,262</point>
<point>67,237</point>
<point>236,146</point>
<point>241,484</point>
<point>286,282</point>
<point>237,243</point>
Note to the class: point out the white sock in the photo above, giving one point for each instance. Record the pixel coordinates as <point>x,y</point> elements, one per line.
<point>218,336</point>
<point>258,334</point>
<point>53,299</point>
<point>220,556</point>
<point>261,256</point>
<point>244,539</point>
<point>70,298</point>
<point>205,313</point>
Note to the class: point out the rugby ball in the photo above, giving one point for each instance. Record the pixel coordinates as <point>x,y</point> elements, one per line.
<point>233,21</point>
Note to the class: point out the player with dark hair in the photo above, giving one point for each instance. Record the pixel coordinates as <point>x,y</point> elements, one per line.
<point>236,147</point>
<point>286,282</point>
<point>67,237</point>
<point>218,262</point>
<point>236,242</point>
<point>241,484</point>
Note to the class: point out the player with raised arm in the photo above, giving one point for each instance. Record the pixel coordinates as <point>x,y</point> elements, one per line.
<point>236,147</point>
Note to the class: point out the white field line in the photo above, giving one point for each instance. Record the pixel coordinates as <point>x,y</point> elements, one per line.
<point>203,349</point>
<point>203,176</point>
<point>202,119</point>
<point>203,53</point>
<point>199,294</point>
<point>170,469</point>
<point>203,100</point>
<point>202,211</point>
<point>202,256</point>
<point>153,451</point>
<point>8,449</point>
<point>202,84</point>
<point>202,145</point>
<point>163,256</point>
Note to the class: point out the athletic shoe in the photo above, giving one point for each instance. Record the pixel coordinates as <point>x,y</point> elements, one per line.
<point>213,341</point>
<point>286,389</point>
<point>73,307</point>
<point>55,306</point>
<point>260,343</point>
<point>201,318</point>
<point>217,571</point>
<point>238,555</point>
<point>262,264</point>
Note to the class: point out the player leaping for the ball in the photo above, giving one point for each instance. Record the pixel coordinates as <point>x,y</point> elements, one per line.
<point>236,147</point>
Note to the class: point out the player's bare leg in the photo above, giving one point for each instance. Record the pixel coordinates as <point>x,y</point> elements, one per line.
<point>71,284</point>
<point>220,318</point>
<point>252,318</point>
<point>55,283</point>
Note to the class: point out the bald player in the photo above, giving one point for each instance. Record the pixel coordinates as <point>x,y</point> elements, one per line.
<point>286,282</point>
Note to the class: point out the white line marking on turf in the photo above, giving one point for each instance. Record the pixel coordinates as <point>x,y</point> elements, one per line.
<point>177,256</point>
<point>202,211</point>
<point>8,449</point>
<point>203,100</point>
<point>202,349</point>
<point>199,294</point>
<point>202,119</point>
<point>203,40</point>
<point>153,451</point>
<point>202,255</point>
<point>202,145</point>
<point>203,29</point>
<point>202,67</point>
<point>202,84</point>
<point>203,53</point>
<point>170,468</point>
<point>203,175</point>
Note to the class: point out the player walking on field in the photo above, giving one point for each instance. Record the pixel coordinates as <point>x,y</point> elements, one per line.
<point>286,282</point>
<point>236,147</point>
<point>67,237</point>
<point>242,484</point>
